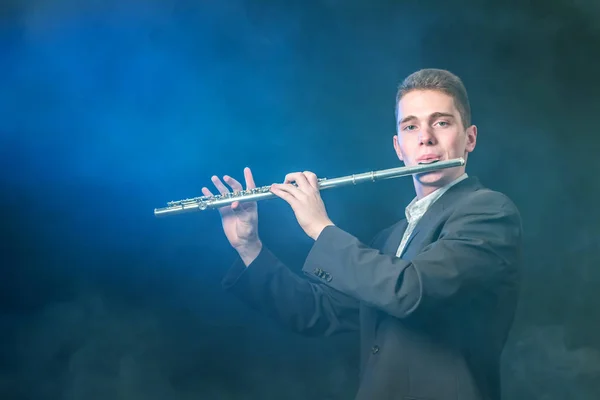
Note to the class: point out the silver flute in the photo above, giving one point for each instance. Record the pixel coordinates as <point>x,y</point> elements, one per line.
<point>263,192</point>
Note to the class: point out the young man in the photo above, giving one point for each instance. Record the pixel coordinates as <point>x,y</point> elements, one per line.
<point>433,295</point>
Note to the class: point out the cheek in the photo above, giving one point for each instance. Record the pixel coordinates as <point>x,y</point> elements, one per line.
<point>409,153</point>
<point>455,143</point>
<point>405,146</point>
<point>409,142</point>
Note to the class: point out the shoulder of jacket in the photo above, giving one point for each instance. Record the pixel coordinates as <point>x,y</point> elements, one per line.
<point>485,197</point>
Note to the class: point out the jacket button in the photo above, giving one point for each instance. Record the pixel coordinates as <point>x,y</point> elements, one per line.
<point>375,349</point>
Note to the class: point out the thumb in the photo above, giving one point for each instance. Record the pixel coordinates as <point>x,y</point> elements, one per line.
<point>240,207</point>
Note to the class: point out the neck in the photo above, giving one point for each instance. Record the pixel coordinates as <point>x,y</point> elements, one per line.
<point>424,190</point>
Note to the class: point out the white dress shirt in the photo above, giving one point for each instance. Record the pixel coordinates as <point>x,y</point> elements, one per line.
<point>417,208</point>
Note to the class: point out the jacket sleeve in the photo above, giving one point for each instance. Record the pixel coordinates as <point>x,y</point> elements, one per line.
<point>307,308</point>
<point>478,249</point>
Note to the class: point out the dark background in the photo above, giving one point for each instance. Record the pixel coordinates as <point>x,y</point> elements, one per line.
<point>109,109</point>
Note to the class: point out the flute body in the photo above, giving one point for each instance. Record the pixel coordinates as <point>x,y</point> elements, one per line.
<point>263,192</point>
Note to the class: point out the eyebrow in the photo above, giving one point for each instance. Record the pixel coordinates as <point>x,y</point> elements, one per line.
<point>440,114</point>
<point>432,116</point>
<point>406,119</point>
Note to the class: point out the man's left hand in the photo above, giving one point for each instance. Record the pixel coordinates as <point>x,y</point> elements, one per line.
<point>305,200</point>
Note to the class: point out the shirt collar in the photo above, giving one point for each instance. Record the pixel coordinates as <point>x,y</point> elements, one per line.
<point>418,207</point>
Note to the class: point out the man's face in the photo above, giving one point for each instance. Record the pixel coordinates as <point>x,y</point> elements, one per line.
<point>430,128</point>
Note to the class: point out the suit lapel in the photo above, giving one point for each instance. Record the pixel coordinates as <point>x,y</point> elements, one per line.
<point>393,241</point>
<point>431,217</point>
<point>370,317</point>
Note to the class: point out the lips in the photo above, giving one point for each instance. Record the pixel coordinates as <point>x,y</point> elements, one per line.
<point>428,159</point>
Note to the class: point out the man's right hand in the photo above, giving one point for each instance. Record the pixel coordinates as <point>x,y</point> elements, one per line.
<point>240,220</point>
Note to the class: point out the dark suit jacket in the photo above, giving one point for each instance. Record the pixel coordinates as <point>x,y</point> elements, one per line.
<point>433,323</point>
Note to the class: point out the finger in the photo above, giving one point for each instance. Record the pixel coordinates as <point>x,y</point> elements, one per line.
<point>233,183</point>
<point>282,192</point>
<point>206,192</point>
<point>299,179</point>
<point>288,188</point>
<point>249,178</point>
<point>303,184</point>
<point>219,185</point>
<point>291,177</point>
<point>312,179</point>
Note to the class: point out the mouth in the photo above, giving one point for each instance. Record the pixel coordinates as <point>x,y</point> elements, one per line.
<point>429,161</point>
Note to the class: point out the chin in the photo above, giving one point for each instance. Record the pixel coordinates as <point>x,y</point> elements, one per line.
<point>434,178</point>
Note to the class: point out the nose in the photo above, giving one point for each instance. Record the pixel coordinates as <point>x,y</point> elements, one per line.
<point>426,136</point>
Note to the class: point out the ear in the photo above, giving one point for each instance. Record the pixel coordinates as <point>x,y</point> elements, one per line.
<point>471,138</point>
<point>397,148</point>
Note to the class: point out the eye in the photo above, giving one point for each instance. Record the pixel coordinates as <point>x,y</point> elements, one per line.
<point>442,123</point>
<point>410,127</point>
